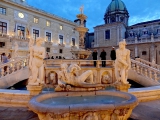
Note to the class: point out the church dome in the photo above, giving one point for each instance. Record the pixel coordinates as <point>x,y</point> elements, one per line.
<point>116,5</point>
<point>116,12</point>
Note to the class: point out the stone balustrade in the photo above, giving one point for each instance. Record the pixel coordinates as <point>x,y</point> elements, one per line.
<point>156,66</point>
<point>141,40</point>
<point>145,70</point>
<point>90,63</point>
<point>13,66</point>
<point>4,35</point>
<point>19,38</point>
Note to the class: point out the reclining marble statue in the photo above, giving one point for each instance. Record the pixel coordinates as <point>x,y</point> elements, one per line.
<point>122,63</point>
<point>67,76</point>
<point>36,63</point>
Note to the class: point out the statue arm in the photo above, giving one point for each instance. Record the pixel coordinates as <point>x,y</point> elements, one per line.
<point>42,56</point>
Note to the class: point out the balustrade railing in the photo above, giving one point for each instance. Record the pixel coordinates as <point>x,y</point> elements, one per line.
<point>13,66</point>
<point>156,66</point>
<point>145,70</point>
<point>82,63</point>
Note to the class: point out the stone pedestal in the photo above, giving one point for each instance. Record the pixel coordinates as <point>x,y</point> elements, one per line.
<point>122,87</point>
<point>34,89</point>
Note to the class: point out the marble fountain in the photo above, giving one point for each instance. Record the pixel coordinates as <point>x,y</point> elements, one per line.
<point>78,97</point>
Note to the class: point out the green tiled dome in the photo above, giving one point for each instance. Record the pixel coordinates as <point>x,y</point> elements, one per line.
<point>116,5</point>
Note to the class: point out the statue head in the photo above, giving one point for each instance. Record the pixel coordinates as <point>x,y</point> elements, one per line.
<point>63,66</point>
<point>122,44</point>
<point>74,67</point>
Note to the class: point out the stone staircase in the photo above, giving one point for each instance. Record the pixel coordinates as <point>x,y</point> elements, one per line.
<point>144,74</point>
<point>17,70</point>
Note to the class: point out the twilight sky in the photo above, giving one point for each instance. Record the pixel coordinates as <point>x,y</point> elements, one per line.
<point>139,10</point>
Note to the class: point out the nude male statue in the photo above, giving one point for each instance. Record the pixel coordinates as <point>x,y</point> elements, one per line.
<point>122,63</point>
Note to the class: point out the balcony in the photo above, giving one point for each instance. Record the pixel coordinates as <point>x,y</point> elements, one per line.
<point>19,38</point>
<point>61,45</point>
<point>3,35</point>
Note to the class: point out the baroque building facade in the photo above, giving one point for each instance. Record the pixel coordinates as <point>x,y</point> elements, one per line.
<point>143,39</point>
<point>20,22</point>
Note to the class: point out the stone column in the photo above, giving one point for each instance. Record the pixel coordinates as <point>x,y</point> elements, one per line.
<point>118,35</point>
<point>136,51</point>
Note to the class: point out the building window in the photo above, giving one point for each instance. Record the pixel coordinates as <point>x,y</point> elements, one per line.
<point>48,36</point>
<point>158,31</point>
<point>60,51</point>
<point>3,27</point>
<point>48,23</point>
<point>2,10</point>
<point>107,34</point>
<point>61,27</point>
<point>113,19</point>
<point>21,31</point>
<point>47,49</point>
<point>144,53</point>
<point>122,19</point>
<point>35,33</point>
<point>61,39</point>
<point>73,42</point>
<point>35,20</point>
<point>2,44</point>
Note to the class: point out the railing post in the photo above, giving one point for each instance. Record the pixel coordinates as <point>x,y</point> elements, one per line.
<point>97,65</point>
<point>146,74</point>
<point>134,66</point>
<point>150,74</point>
<point>155,76</point>
<point>2,71</point>
<point>8,70</point>
<point>13,68</point>
<point>137,68</point>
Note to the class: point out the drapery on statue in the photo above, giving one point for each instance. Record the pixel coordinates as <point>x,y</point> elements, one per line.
<point>122,63</point>
<point>67,76</point>
<point>16,48</point>
<point>36,64</point>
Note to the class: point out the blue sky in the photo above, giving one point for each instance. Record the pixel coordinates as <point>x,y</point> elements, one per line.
<point>139,10</point>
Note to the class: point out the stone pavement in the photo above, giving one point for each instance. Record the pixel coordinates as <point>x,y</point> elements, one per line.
<point>147,111</point>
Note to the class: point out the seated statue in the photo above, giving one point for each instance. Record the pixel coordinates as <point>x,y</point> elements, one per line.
<point>36,64</point>
<point>68,76</point>
<point>122,63</point>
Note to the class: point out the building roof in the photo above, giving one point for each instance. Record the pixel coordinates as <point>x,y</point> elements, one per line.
<point>147,22</point>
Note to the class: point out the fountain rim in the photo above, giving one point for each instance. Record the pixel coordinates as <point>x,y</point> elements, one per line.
<point>35,105</point>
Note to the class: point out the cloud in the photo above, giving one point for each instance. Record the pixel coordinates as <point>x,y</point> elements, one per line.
<point>139,10</point>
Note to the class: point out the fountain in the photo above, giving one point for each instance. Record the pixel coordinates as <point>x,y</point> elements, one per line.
<point>81,53</point>
<point>76,97</point>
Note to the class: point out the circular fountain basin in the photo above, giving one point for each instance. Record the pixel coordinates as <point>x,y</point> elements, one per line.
<point>99,105</point>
